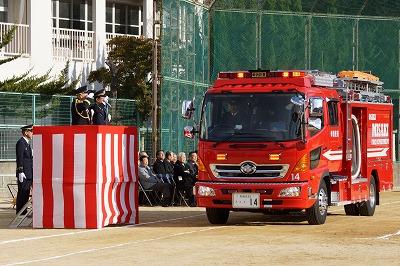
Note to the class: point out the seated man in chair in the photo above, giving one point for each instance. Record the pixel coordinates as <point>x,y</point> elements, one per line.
<point>183,178</point>
<point>150,181</point>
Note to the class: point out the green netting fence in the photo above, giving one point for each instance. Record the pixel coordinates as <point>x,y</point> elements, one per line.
<point>198,41</point>
<point>18,109</point>
<point>185,68</point>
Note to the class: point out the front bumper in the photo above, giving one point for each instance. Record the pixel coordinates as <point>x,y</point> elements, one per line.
<point>269,195</point>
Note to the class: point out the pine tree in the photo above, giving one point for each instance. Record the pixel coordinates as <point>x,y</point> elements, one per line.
<point>129,61</point>
<point>6,38</point>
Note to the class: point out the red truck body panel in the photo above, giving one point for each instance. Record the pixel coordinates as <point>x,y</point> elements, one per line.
<point>280,158</point>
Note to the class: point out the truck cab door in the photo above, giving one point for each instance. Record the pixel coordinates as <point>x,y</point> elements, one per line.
<point>332,150</point>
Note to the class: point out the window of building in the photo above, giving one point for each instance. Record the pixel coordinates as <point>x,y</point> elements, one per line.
<point>72,14</point>
<point>3,10</point>
<point>124,19</point>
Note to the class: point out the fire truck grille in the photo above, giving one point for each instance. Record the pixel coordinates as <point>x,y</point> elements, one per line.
<point>263,171</point>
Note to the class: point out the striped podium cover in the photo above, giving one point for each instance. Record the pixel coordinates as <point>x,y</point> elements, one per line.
<point>84,176</point>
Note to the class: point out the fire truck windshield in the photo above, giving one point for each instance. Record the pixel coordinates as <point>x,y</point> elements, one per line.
<point>251,117</point>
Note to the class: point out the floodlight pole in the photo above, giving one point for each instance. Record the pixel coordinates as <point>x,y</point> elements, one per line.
<point>154,138</point>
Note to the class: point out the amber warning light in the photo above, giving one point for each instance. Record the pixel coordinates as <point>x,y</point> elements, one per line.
<point>260,74</point>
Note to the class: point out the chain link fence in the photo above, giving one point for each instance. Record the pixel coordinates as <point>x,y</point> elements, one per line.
<point>185,68</point>
<point>17,110</point>
<point>199,41</point>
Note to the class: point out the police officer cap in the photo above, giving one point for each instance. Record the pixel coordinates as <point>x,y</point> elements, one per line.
<point>82,89</point>
<point>28,127</point>
<point>100,93</point>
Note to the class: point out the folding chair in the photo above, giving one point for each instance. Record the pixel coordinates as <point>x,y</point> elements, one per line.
<point>170,180</point>
<point>21,216</point>
<point>182,198</point>
<point>180,195</point>
<point>149,193</point>
<point>13,189</point>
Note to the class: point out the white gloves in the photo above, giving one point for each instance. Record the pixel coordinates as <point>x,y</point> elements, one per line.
<point>21,177</point>
<point>109,117</point>
<point>90,95</point>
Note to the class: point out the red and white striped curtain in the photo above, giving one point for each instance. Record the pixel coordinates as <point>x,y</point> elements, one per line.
<point>84,176</point>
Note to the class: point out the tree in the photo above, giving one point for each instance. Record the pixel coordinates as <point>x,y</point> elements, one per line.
<point>129,63</point>
<point>6,38</point>
<point>42,84</point>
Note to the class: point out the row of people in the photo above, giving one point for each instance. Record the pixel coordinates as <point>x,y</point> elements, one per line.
<point>168,175</point>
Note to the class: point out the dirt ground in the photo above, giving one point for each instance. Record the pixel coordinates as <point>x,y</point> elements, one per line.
<point>183,236</point>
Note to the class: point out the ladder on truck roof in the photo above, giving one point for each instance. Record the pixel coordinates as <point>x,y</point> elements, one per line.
<point>352,85</point>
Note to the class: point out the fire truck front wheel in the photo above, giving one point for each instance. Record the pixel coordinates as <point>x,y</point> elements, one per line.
<point>367,208</point>
<point>316,214</point>
<point>217,216</point>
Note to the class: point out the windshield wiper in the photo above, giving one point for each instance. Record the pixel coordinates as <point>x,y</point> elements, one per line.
<point>236,133</point>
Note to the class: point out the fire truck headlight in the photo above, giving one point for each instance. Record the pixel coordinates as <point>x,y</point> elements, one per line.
<point>290,192</point>
<point>205,191</point>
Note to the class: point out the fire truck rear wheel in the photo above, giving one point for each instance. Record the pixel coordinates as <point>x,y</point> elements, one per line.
<point>217,216</point>
<point>367,208</point>
<point>316,214</point>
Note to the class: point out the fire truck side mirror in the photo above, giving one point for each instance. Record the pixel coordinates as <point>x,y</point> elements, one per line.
<point>314,123</point>
<point>188,132</point>
<point>316,105</point>
<point>187,109</point>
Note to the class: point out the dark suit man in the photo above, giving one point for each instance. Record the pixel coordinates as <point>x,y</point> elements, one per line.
<point>24,171</point>
<point>192,163</point>
<point>233,117</point>
<point>80,107</point>
<point>159,166</point>
<point>183,178</point>
<point>99,109</point>
<point>169,167</point>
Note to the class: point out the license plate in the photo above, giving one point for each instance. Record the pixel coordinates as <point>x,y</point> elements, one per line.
<point>246,200</point>
<point>259,74</point>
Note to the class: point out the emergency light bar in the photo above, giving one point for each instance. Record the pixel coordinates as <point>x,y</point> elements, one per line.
<point>261,74</point>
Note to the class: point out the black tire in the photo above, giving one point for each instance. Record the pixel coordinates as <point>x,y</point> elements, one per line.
<point>316,214</point>
<point>217,216</point>
<point>367,208</point>
<point>352,209</point>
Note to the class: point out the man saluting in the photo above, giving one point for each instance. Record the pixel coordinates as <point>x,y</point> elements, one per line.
<point>80,107</point>
<point>24,166</point>
<point>99,109</point>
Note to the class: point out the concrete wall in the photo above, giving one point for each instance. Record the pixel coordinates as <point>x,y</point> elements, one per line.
<point>7,175</point>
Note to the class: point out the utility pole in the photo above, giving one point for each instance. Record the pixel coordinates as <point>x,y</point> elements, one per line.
<point>154,138</point>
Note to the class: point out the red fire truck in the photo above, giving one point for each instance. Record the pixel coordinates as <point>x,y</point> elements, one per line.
<point>273,141</point>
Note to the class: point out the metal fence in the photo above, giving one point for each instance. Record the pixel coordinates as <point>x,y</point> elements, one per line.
<point>19,109</point>
<point>19,44</point>
<point>73,44</point>
<point>198,41</point>
<point>185,67</point>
